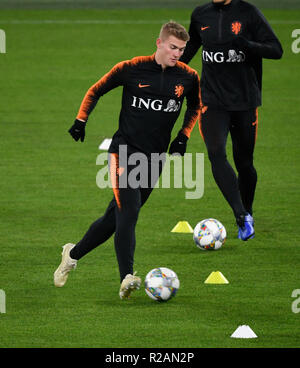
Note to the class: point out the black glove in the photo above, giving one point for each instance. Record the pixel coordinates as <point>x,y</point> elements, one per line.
<point>178,145</point>
<point>77,130</point>
<point>241,43</point>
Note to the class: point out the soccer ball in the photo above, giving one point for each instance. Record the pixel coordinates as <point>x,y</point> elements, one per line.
<point>161,284</point>
<point>209,234</point>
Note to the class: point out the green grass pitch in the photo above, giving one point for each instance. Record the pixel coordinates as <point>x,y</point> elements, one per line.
<point>49,197</point>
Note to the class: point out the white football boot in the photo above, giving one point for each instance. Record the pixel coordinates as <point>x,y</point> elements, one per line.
<point>67,264</point>
<point>128,285</point>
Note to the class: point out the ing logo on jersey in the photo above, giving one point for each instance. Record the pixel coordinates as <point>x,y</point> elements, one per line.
<point>156,105</point>
<point>236,27</point>
<point>179,90</point>
<point>172,106</point>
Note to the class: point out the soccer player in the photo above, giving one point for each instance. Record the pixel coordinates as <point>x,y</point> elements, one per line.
<point>154,88</point>
<point>235,37</point>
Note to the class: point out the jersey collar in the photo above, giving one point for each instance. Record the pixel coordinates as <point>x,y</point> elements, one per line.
<point>159,67</point>
<point>225,7</point>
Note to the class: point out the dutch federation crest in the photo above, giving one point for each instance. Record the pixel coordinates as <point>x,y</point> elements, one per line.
<point>236,27</point>
<point>179,90</point>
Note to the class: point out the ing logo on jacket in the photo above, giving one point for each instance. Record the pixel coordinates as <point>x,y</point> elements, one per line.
<point>221,57</point>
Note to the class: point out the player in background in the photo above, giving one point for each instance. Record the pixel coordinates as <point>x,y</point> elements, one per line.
<point>154,89</point>
<point>235,37</point>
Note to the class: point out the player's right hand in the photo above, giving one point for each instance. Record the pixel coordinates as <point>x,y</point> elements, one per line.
<point>77,130</point>
<point>178,146</point>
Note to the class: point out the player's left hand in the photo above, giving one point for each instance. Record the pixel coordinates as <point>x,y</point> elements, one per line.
<point>178,145</point>
<point>241,43</point>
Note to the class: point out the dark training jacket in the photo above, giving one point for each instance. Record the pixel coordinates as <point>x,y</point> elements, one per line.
<point>151,101</point>
<point>234,39</point>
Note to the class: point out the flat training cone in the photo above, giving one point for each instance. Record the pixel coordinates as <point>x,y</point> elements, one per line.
<point>244,332</point>
<point>182,227</point>
<point>216,277</point>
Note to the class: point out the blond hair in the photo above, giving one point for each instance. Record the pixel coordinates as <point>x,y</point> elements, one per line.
<point>175,29</point>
